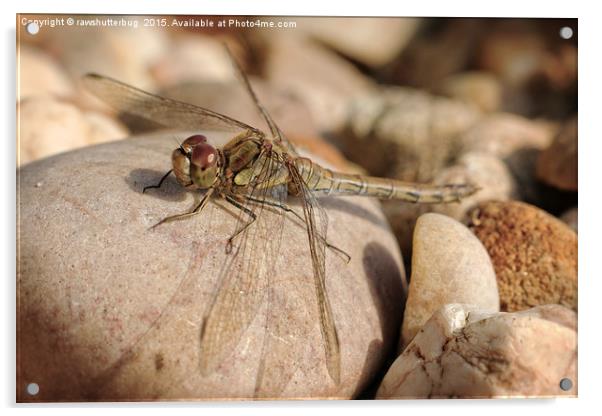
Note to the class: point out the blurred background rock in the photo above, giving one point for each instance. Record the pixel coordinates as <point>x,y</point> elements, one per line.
<point>489,101</point>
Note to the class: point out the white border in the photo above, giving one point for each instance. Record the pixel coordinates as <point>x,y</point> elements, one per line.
<point>589,228</point>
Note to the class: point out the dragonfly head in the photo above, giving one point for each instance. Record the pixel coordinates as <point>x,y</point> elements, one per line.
<point>196,162</point>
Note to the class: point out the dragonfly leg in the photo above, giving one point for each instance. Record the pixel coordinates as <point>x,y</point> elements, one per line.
<point>159,184</point>
<point>195,211</point>
<point>286,208</point>
<point>247,211</point>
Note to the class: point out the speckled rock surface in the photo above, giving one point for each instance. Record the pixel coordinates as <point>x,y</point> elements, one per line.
<point>465,352</point>
<point>113,310</point>
<point>449,265</point>
<point>557,165</point>
<point>534,254</point>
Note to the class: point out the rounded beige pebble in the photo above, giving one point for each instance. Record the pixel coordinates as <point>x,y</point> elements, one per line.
<point>39,74</point>
<point>449,265</point>
<point>488,172</point>
<point>111,310</point>
<point>482,89</point>
<point>465,352</point>
<point>506,135</point>
<point>48,126</point>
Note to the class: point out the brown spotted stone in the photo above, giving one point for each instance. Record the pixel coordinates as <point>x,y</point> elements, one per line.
<point>533,253</point>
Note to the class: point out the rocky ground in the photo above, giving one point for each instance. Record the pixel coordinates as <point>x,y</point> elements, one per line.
<point>490,310</point>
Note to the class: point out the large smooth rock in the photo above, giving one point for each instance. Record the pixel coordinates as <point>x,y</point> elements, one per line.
<point>534,254</point>
<point>449,265</point>
<point>110,310</point>
<point>465,352</point>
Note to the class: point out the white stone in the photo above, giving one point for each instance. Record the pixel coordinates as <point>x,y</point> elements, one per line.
<point>465,352</point>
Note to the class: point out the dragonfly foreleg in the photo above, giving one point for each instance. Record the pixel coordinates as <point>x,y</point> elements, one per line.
<point>195,211</point>
<point>286,208</point>
<point>159,184</point>
<point>247,211</point>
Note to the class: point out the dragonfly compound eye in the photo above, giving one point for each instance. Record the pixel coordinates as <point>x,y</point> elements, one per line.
<point>204,156</point>
<point>193,141</point>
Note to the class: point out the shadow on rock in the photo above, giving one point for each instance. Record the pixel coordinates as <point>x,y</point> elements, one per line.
<point>388,289</point>
<point>170,190</point>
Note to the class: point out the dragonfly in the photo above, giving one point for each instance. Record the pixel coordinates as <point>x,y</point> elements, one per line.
<point>257,171</point>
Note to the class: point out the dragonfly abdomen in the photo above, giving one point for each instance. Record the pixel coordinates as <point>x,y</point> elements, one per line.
<point>326,182</point>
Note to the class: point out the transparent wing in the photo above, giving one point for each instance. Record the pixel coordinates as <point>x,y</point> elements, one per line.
<point>316,225</point>
<point>277,134</point>
<point>164,111</point>
<point>244,280</point>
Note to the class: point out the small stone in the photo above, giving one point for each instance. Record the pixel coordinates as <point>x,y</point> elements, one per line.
<point>49,126</point>
<point>514,139</point>
<point>404,133</point>
<point>503,134</point>
<point>465,352</point>
<point>534,254</point>
<point>373,42</point>
<point>122,53</point>
<point>193,58</point>
<point>557,165</point>
<point>39,74</point>
<point>324,81</point>
<point>480,89</point>
<point>487,172</point>
<point>449,265</point>
<point>515,57</point>
<point>230,98</point>
<point>433,55</point>
<point>570,217</point>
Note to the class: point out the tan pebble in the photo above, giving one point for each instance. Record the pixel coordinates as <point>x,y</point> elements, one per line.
<point>39,74</point>
<point>503,134</point>
<point>318,77</point>
<point>374,42</point>
<point>480,89</point>
<point>487,172</point>
<point>49,126</point>
<point>449,265</point>
<point>405,133</point>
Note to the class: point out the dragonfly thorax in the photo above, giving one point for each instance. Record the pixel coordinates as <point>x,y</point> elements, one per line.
<point>195,162</point>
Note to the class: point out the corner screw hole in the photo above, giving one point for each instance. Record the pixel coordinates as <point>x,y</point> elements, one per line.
<point>566,32</point>
<point>33,389</point>
<point>566,384</point>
